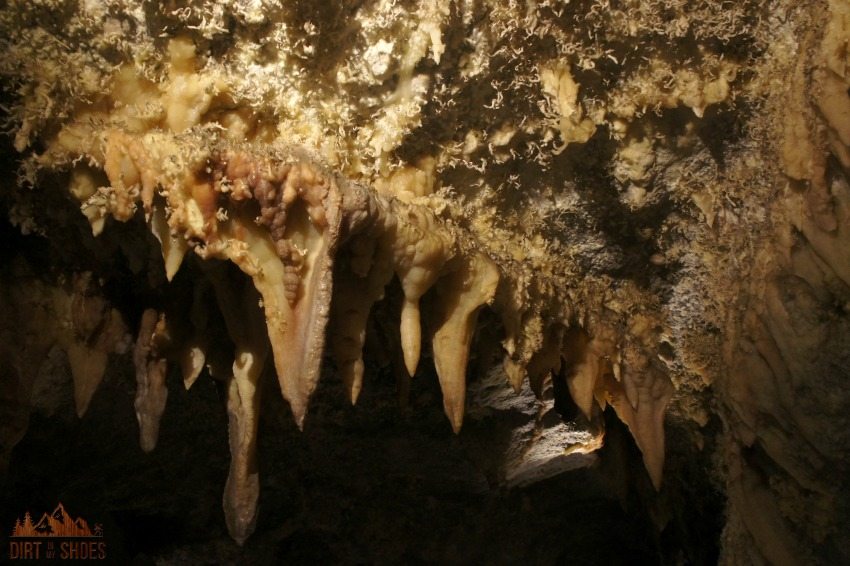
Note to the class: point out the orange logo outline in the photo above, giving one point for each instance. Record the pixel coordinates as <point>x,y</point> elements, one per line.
<point>57,524</point>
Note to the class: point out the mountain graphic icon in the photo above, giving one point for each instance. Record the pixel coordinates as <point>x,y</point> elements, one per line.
<point>59,523</point>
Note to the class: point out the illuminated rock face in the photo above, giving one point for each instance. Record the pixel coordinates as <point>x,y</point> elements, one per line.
<point>648,201</point>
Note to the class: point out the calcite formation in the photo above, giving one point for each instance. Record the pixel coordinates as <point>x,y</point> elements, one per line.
<point>647,199</point>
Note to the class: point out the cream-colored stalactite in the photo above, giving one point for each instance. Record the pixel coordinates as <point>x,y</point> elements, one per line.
<point>133,174</point>
<point>625,379</point>
<point>637,390</point>
<point>546,360</point>
<point>420,249</point>
<point>88,332</point>
<point>173,246</point>
<point>640,402</point>
<point>512,319</point>
<point>151,368</point>
<point>242,490</point>
<point>87,368</point>
<point>584,359</point>
<point>460,295</point>
<point>191,364</point>
<point>295,332</point>
<point>133,169</point>
<point>312,226</point>
<point>88,360</point>
<point>525,332</point>
<point>515,372</point>
<point>359,286</point>
<point>193,356</point>
<point>245,325</point>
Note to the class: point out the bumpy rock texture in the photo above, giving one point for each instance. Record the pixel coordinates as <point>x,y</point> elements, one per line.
<point>640,205</point>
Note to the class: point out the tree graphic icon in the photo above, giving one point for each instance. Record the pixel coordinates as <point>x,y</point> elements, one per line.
<point>28,528</point>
